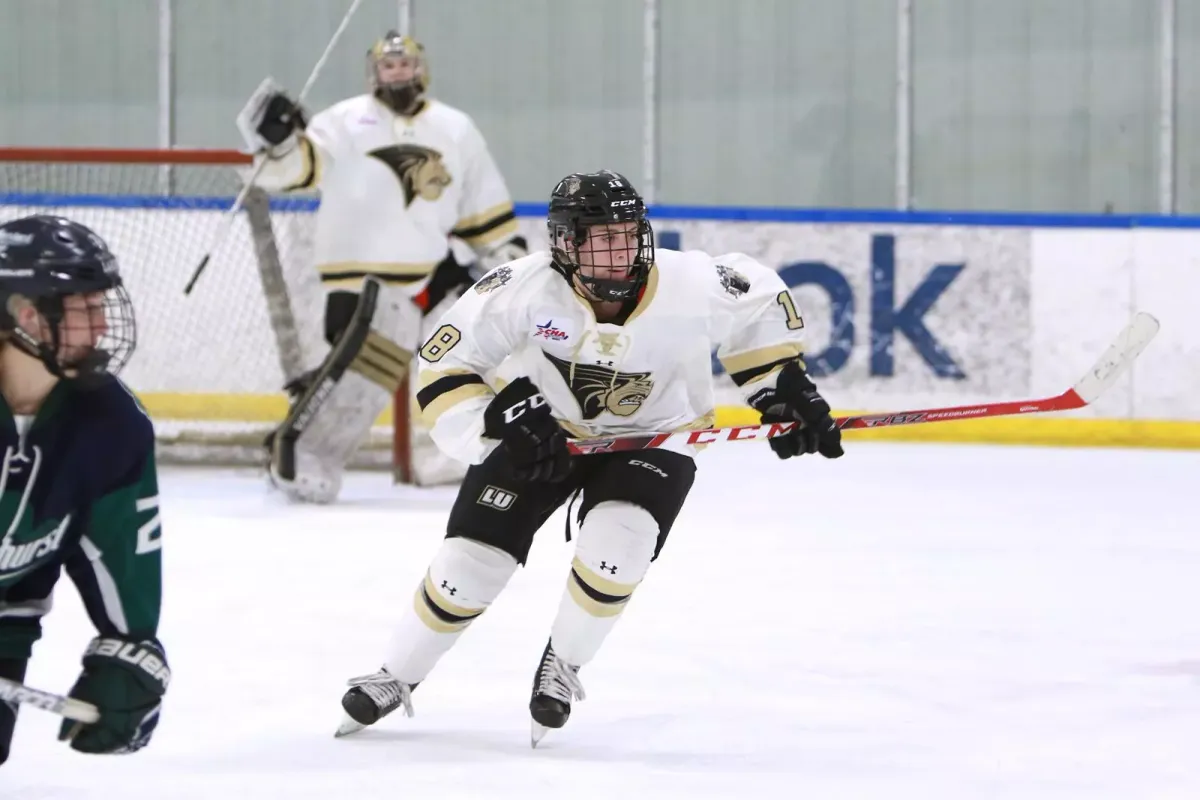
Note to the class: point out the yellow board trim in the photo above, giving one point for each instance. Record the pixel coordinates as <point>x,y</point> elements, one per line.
<point>1028,429</point>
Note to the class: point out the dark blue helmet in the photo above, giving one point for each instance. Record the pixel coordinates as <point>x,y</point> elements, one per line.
<point>84,327</point>
<point>604,206</point>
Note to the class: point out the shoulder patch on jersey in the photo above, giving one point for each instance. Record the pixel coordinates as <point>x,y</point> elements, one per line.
<point>734,282</point>
<point>493,280</point>
<point>550,332</point>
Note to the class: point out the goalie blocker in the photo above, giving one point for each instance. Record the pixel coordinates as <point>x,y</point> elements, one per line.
<point>344,396</point>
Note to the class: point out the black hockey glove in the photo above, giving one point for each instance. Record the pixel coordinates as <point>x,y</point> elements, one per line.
<point>536,446</point>
<point>795,399</point>
<point>125,680</point>
<point>281,117</point>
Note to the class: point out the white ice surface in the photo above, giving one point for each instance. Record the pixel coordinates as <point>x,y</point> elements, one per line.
<point>908,622</point>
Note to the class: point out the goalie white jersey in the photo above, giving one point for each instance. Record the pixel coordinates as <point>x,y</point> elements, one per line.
<point>652,373</point>
<point>394,188</point>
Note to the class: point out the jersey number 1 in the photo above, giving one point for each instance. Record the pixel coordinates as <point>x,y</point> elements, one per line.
<point>794,322</point>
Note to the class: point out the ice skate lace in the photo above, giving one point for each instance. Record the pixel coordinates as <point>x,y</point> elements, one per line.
<point>385,691</point>
<point>559,680</point>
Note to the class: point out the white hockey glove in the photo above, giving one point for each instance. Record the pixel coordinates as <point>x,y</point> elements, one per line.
<point>504,252</point>
<point>270,121</point>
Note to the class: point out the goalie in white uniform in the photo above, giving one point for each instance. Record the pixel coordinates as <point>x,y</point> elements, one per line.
<point>600,336</point>
<point>399,174</point>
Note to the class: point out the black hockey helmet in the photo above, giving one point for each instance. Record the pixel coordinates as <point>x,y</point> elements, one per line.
<point>605,207</point>
<point>401,96</point>
<point>65,272</point>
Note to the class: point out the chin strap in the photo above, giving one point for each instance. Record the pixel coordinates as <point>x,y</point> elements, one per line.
<point>88,370</point>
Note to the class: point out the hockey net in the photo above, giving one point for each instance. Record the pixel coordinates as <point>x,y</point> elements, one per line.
<point>209,366</point>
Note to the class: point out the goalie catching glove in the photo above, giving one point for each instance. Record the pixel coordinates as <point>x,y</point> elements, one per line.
<point>270,120</point>
<point>520,418</point>
<point>126,681</point>
<point>794,398</point>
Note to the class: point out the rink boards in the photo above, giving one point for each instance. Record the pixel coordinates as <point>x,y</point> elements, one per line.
<point>902,311</point>
<point>906,311</point>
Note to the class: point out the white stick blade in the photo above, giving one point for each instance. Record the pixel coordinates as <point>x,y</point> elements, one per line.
<point>1118,357</point>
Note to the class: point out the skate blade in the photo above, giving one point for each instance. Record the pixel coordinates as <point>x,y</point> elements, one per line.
<point>537,734</point>
<point>348,726</point>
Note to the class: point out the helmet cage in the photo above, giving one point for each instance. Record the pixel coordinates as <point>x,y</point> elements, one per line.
<point>55,342</point>
<point>569,254</point>
<point>401,96</point>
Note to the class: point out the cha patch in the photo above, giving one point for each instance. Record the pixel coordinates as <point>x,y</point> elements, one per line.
<point>734,282</point>
<point>550,332</point>
<point>493,280</point>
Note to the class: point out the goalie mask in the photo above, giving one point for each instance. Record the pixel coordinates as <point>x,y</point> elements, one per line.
<point>600,239</point>
<point>62,300</point>
<point>398,72</point>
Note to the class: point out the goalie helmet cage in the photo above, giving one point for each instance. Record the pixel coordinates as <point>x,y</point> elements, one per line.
<point>208,366</point>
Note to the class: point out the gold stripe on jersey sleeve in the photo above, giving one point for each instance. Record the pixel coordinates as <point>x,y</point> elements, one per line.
<point>310,172</point>
<point>430,376</point>
<point>434,384</point>
<point>757,359</point>
<point>431,411</point>
<point>494,224</point>
<point>482,218</point>
<point>350,274</point>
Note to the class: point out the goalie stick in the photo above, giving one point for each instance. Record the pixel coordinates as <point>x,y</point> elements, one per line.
<point>222,232</point>
<point>1115,361</point>
<point>69,707</point>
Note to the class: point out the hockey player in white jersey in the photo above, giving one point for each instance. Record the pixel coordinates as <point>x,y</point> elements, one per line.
<point>399,173</point>
<point>603,335</point>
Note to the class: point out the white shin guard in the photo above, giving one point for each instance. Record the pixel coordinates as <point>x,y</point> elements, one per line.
<point>612,554</point>
<point>463,580</point>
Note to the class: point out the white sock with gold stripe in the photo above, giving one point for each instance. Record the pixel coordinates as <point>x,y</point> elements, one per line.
<point>464,578</point>
<point>612,554</point>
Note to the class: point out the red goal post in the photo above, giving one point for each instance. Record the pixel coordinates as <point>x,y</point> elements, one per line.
<point>209,367</point>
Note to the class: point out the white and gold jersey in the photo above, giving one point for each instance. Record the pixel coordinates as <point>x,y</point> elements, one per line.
<point>394,188</point>
<point>652,373</point>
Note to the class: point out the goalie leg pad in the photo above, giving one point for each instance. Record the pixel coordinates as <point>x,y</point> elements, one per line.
<point>347,393</point>
<point>615,545</point>
<point>464,578</point>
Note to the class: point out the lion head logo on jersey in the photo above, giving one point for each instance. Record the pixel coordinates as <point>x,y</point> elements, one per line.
<point>597,388</point>
<point>420,170</point>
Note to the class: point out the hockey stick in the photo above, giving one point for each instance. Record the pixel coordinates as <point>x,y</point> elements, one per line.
<point>1119,356</point>
<point>231,214</point>
<point>69,707</point>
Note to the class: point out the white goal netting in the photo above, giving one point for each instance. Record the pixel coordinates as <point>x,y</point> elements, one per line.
<point>209,365</point>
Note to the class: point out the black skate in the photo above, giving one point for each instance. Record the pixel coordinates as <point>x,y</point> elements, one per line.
<point>555,684</point>
<point>371,698</point>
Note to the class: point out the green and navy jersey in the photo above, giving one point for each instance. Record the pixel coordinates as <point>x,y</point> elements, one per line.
<point>79,489</point>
